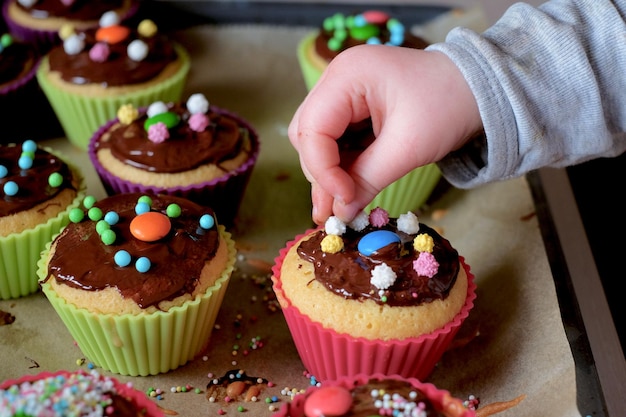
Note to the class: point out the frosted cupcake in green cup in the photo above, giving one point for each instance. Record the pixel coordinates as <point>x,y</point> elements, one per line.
<point>338,33</point>
<point>96,71</point>
<point>342,31</point>
<point>138,280</point>
<point>38,189</point>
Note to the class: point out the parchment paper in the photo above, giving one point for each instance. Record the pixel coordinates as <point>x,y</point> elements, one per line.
<point>513,342</point>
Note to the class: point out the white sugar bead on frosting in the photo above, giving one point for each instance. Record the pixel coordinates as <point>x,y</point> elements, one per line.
<point>109,18</point>
<point>334,226</point>
<point>74,44</point>
<point>137,50</point>
<point>158,107</point>
<point>383,276</point>
<point>197,103</point>
<point>360,222</point>
<point>408,223</point>
<point>27,3</point>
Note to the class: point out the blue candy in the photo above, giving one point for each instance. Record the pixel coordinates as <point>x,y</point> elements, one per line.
<point>376,240</point>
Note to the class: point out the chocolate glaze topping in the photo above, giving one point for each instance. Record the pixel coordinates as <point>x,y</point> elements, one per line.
<point>33,182</point>
<point>348,272</point>
<point>363,404</point>
<point>118,69</point>
<point>16,60</point>
<point>77,10</point>
<point>322,49</point>
<point>185,149</point>
<point>81,260</point>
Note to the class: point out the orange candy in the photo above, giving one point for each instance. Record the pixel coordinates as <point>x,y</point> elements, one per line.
<point>150,226</point>
<point>112,34</point>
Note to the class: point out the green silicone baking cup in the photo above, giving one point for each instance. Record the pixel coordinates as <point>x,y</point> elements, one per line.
<point>81,115</point>
<point>409,192</point>
<point>144,344</point>
<point>19,252</point>
<point>310,72</point>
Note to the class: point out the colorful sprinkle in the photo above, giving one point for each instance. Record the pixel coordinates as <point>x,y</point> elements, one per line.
<point>122,258</point>
<point>55,180</point>
<point>143,264</point>
<point>147,28</point>
<point>11,188</point>
<point>383,276</point>
<point>137,50</point>
<point>207,221</point>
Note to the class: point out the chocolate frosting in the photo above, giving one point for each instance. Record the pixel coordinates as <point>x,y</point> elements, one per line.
<point>16,60</point>
<point>33,187</point>
<point>77,10</point>
<point>118,69</point>
<point>348,272</point>
<point>363,404</point>
<point>81,260</point>
<point>321,41</point>
<point>184,150</point>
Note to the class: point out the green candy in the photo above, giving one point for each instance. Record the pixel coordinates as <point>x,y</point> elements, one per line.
<point>169,119</point>
<point>365,32</point>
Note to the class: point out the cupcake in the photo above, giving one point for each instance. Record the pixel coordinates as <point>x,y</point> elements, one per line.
<point>38,22</point>
<point>94,72</point>
<point>407,193</point>
<point>339,32</point>
<point>21,99</point>
<point>375,395</point>
<point>138,280</point>
<point>380,295</point>
<point>191,149</point>
<point>38,189</point>
<point>79,393</point>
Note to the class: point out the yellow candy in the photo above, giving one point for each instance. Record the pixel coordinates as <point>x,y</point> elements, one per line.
<point>127,114</point>
<point>66,31</point>
<point>332,244</point>
<point>147,28</point>
<point>423,243</point>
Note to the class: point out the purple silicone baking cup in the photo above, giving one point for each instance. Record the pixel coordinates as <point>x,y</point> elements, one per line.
<point>44,40</point>
<point>329,355</point>
<point>223,194</point>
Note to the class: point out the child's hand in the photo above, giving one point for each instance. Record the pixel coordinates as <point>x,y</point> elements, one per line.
<point>420,107</point>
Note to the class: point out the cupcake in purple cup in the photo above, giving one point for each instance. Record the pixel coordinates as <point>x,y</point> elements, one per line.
<point>191,149</point>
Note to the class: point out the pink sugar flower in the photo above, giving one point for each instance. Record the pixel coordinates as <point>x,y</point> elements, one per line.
<point>198,122</point>
<point>379,217</point>
<point>426,265</point>
<point>158,133</point>
<point>99,52</point>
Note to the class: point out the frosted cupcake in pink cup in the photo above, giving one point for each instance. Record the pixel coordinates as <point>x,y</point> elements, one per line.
<point>77,393</point>
<point>378,394</point>
<point>378,295</point>
<point>190,149</point>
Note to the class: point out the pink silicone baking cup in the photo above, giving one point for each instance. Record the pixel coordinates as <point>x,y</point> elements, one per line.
<point>441,399</point>
<point>139,398</point>
<point>330,355</point>
<point>223,194</point>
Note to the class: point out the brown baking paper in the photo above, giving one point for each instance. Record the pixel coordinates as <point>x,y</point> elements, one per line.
<point>513,343</point>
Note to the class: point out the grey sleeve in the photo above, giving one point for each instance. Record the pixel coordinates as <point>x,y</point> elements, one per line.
<point>550,83</point>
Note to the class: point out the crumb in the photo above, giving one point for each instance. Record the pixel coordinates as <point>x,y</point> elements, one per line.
<point>438,214</point>
<point>6,318</point>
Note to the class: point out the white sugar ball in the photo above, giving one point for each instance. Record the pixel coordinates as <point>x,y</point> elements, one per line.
<point>197,103</point>
<point>360,222</point>
<point>27,3</point>
<point>158,107</point>
<point>334,226</point>
<point>137,50</point>
<point>408,223</point>
<point>109,18</point>
<point>383,276</point>
<point>74,44</point>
